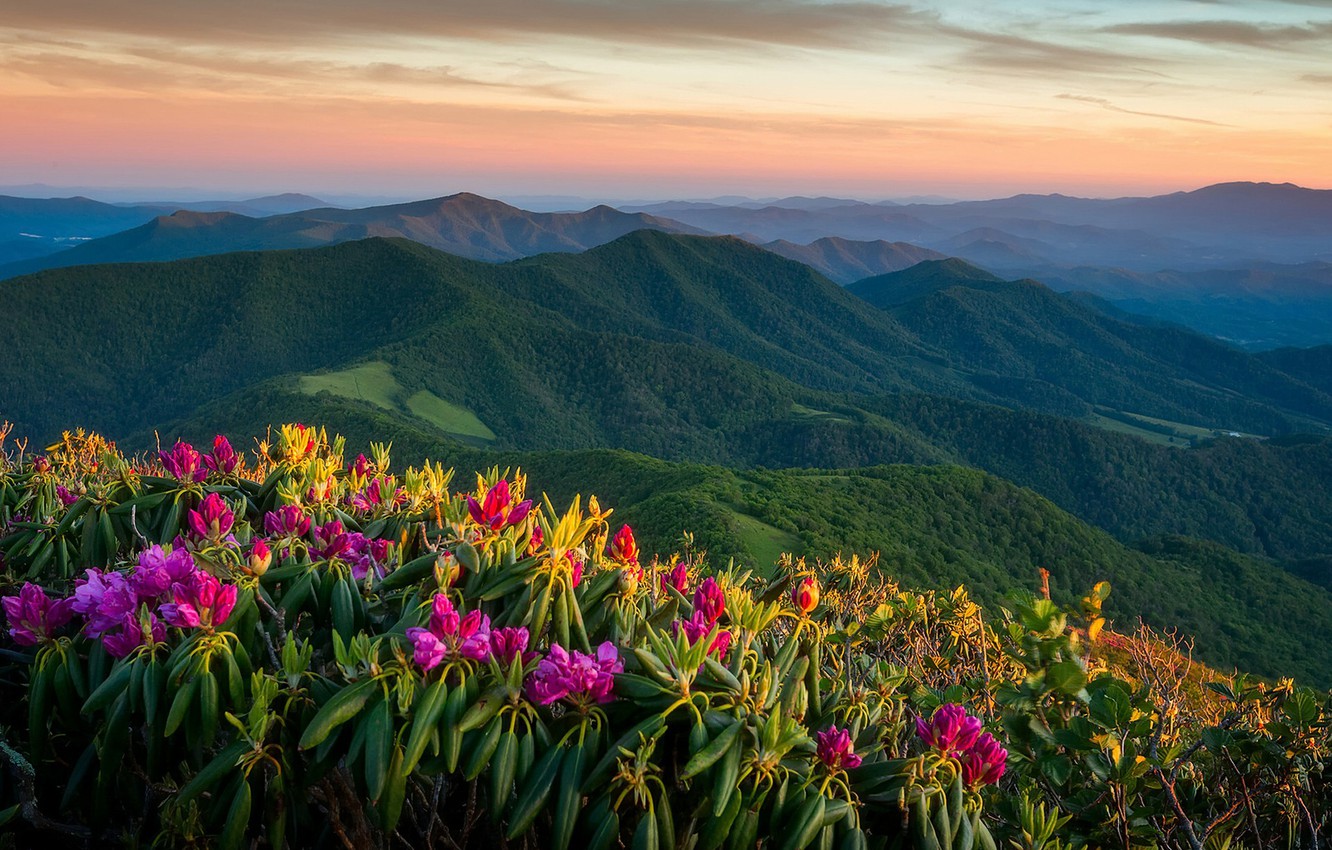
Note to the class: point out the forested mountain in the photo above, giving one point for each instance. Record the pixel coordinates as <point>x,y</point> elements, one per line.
<point>846,260</point>
<point>463,224</point>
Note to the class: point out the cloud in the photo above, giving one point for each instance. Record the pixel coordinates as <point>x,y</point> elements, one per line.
<point>1323,79</point>
<point>1237,33</point>
<point>715,23</point>
<point>1106,104</point>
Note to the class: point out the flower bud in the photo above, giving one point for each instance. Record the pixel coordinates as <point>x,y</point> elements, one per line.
<point>805,595</point>
<point>260,557</point>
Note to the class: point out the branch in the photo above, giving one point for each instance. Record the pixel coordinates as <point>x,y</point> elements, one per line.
<point>26,776</point>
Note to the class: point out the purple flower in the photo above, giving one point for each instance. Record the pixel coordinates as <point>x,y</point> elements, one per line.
<point>103,598</point>
<point>836,749</point>
<point>496,510</point>
<point>359,467</point>
<point>984,762</point>
<point>510,643</point>
<point>951,730</point>
<point>366,554</point>
<point>66,497</point>
<point>213,520</point>
<point>330,540</point>
<point>224,458</point>
<point>184,463</point>
<point>450,636</point>
<point>577,677</point>
<point>134,633</point>
<point>33,616</point>
<point>709,601</point>
<point>157,571</point>
<point>201,601</point>
<point>287,521</point>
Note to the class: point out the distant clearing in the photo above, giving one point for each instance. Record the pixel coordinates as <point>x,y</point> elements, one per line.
<point>374,383</point>
<point>1162,431</point>
<point>765,542</point>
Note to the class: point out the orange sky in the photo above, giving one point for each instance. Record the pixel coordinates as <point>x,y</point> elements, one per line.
<point>674,98</point>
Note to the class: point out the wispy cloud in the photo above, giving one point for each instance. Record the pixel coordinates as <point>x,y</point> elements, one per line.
<point>1238,33</point>
<point>682,22</point>
<point>1106,104</point>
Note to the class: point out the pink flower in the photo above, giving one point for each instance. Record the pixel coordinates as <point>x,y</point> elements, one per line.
<point>534,542</point>
<point>212,521</point>
<point>450,636</point>
<point>950,730</point>
<point>496,510</point>
<point>103,599</point>
<point>984,762</point>
<point>510,643</point>
<point>224,458</point>
<point>201,601</point>
<point>697,627</point>
<point>133,635</point>
<point>577,677</point>
<point>330,540</point>
<point>836,749</point>
<point>366,555</point>
<point>33,616</point>
<point>157,571</point>
<point>66,497</point>
<point>677,577</point>
<point>184,463</point>
<point>623,547</point>
<point>709,600</point>
<point>287,521</point>
<point>575,569</point>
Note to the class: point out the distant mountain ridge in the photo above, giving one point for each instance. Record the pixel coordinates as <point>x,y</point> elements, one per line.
<point>464,224</point>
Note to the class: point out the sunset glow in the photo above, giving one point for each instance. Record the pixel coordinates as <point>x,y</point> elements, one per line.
<point>651,99</point>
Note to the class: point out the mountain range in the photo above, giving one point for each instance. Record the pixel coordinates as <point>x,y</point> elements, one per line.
<point>712,350</point>
<point>1244,262</point>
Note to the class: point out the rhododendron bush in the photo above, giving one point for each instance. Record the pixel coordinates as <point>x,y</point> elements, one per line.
<point>291,648</point>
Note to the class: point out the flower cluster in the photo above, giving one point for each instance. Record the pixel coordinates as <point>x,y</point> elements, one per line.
<point>184,463</point>
<point>212,522</point>
<point>836,749</point>
<point>450,636</point>
<point>709,605</point>
<point>579,678</point>
<point>33,616</point>
<point>956,734</point>
<point>497,511</point>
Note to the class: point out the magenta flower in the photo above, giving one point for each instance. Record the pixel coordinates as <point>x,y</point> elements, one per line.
<point>496,510</point>
<point>359,467</point>
<point>837,750</point>
<point>511,643</point>
<point>951,730</point>
<point>366,554</point>
<point>103,598</point>
<point>212,521</point>
<point>65,496</point>
<point>575,569</point>
<point>134,633</point>
<point>330,540</point>
<point>697,627</point>
<point>184,463</point>
<point>450,636</point>
<point>201,601</point>
<point>157,571</point>
<point>984,762</point>
<point>224,458</point>
<point>287,521</point>
<point>576,677</point>
<point>33,616</point>
<point>623,547</point>
<point>677,577</point>
<point>709,600</point>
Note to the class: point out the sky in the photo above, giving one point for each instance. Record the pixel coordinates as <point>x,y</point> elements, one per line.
<point>666,98</point>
